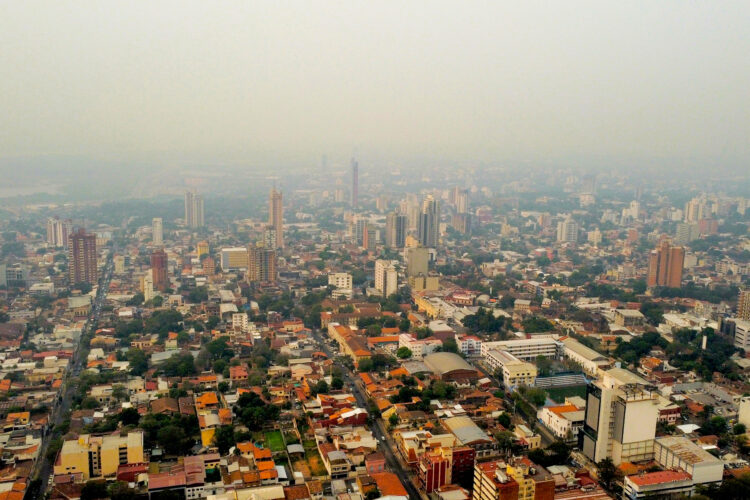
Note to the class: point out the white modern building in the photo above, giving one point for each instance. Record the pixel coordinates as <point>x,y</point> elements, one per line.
<point>386,277</point>
<point>678,452</point>
<point>342,283</point>
<point>526,349</point>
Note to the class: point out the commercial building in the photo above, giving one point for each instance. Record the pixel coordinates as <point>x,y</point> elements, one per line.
<point>428,229</point>
<point>450,366</point>
<point>565,420</point>
<point>678,452</point>
<point>99,456</point>
<point>82,257</point>
<point>395,230</point>
<point>261,265</point>
<point>469,434</point>
<point>629,317</point>
<point>665,265</point>
<point>621,414</point>
<point>276,216</point>
<point>386,277</point>
<point>590,360</point>
<point>194,210</point>
<point>159,270</point>
<point>419,347</point>
<point>157,231</point>
<point>202,248</point>
<point>520,479</point>
<point>417,261</point>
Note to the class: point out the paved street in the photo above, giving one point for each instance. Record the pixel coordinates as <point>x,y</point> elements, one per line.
<point>386,445</point>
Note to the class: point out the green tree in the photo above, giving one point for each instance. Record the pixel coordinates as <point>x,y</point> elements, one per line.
<point>403,352</point>
<point>608,472</point>
<point>224,438</point>
<point>138,361</point>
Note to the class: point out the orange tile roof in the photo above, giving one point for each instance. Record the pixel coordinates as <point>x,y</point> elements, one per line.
<point>388,484</point>
<point>660,477</point>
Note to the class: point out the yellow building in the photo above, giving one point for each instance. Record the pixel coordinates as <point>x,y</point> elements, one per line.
<point>202,248</point>
<point>99,456</point>
<point>422,283</point>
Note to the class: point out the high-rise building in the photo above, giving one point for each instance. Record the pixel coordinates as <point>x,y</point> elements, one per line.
<point>157,231</point>
<point>355,183</point>
<point>462,201</point>
<point>461,222</point>
<point>620,421</point>
<point>429,222</point>
<point>58,231</point>
<point>261,265</point>
<point>276,216</point>
<point>233,258</point>
<point>665,265</point>
<point>386,277</point>
<point>82,257</point>
<point>209,266</point>
<point>567,231</point>
<point>743,304</point>
<point>342,285</point>
<point>159,270</point>
<point>417,261</point>
<point>193,210</point>
<point>686,232</point>
<point>395,230</point>
<point>269,237</point>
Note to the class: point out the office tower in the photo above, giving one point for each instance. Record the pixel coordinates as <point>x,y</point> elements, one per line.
<point>461,223</point>
<point>462,201</point>
<point>355,183</point>
<point>567,231</point>
<point>157,231</point>
<point>82,257</point>
<point>410,208</point>
<point>620,421</point>
<point>358,230</point>
<point>417,261</point>
<point>261,265</point>
<point>276,216</point>
<point>386,277</point>
<point>743,304</point>
<point>159,270</point>
<point>202,248</point>
<point>665,265</point>
<point>58,231</point>
<point>193,210</point>
<point>395,230</point>
<point>429,222</point>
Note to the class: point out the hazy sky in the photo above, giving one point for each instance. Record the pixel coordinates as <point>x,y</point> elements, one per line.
<point>489,80</point>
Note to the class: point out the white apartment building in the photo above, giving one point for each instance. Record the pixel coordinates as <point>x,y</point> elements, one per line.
<point>590,360</point>
<point>469,345</point>
<point>621,414</point>
<point>386,277</point>
<point>342,282</point>
<point>419,348</point>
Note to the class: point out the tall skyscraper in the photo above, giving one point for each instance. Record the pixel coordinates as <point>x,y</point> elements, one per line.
<point>157,231</point>
<point>261,264</point>
<point>743,304</point>
<point>159,270</point>
<point>462,201</point>
<point>429,222</point>
<point>395,230</point>
<point>276,216</point>
<point>417,261</point>
<point>193,210</point>
<point>82,257</point>
<point>58,231</point>
<point>355,183</point>
<point>567,231</point>
<point>665,265</point>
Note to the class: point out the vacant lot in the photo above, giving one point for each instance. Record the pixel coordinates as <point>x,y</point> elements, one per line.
<point>274,441</point>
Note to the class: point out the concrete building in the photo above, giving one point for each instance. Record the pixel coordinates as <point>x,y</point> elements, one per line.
<point>565,420</point>
<point>665,265</point>
<point>233,258</point>
<point>590,360</point>
<point>567,231</point>
<point>743,305</point>
<point>58,231</point>
<point>621,414</point>
<point>99,456</point>
<point>386,277</point>
<point>342,283</point>
<point>82,257</point>
<point>395,230</point>
<point>157,231</point>
<point>428,229</point>
<point>159,270</point>
<point>276,216</point>
<point>515,372</point>
<point>417,261</point>
<point>419,347</point>
<point>678,452</point>
<point>526,349</point>
<point>261,265</point>
<point>660,484</point>
<point>194,210</point>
